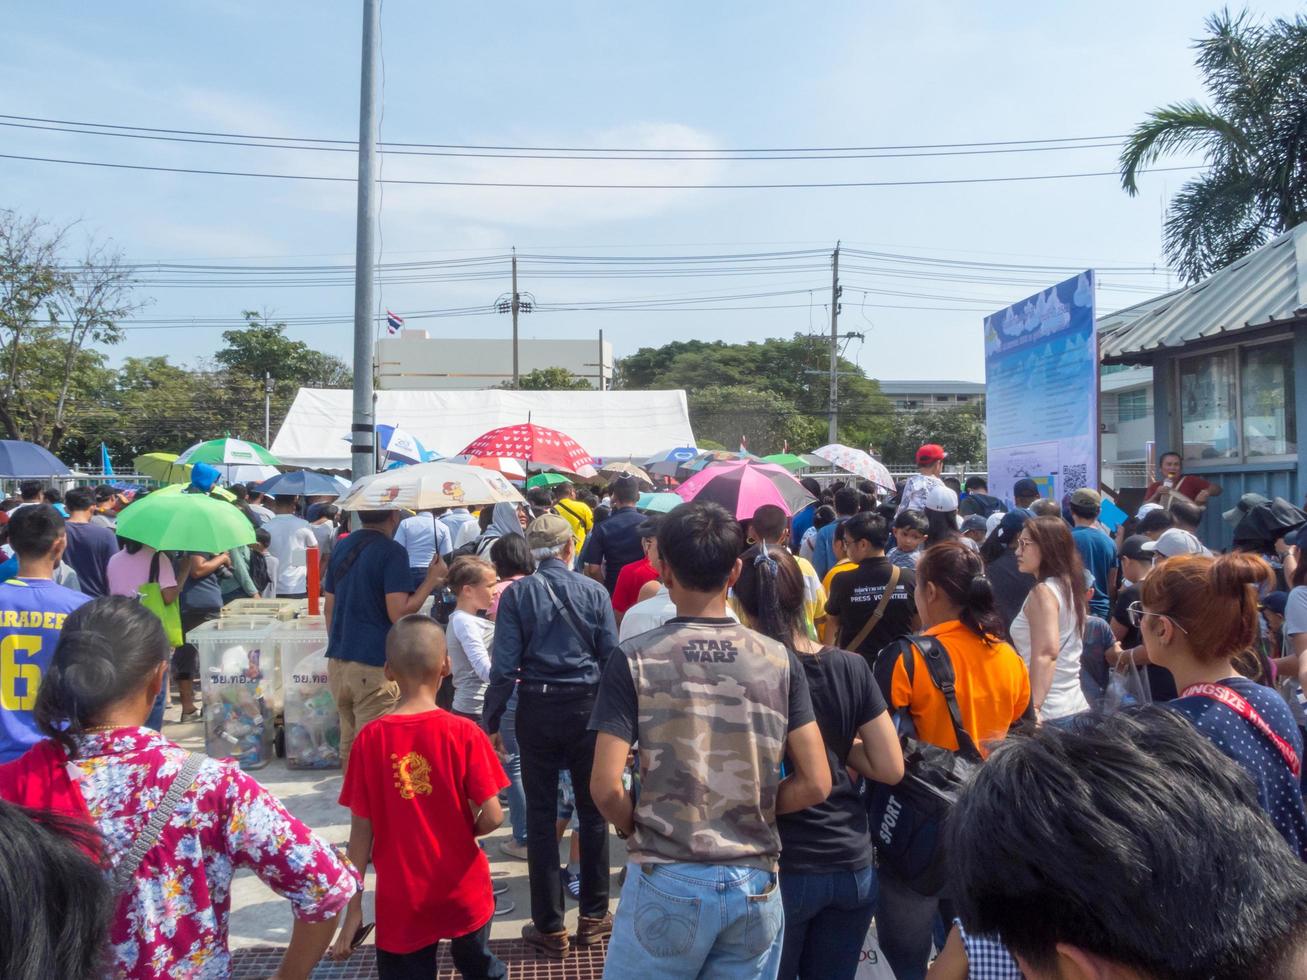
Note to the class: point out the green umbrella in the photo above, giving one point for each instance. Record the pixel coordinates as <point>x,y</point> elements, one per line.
<point>229,452</point>
<point>170,520</point>
<point>788,460</point>
<point>659,503</point>
<point>546,480</point>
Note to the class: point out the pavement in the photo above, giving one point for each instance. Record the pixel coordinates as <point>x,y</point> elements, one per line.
<point>260,917</point>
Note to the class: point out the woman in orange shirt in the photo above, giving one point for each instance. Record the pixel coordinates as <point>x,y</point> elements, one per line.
<point>956,605</point>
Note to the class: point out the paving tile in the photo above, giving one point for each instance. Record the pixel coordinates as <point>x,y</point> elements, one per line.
<point>582,963</point>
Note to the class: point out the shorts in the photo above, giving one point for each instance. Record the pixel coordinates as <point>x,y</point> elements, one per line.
<point>186,659</point>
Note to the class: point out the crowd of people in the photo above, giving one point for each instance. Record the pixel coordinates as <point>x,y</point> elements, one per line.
<point>1017,739</point>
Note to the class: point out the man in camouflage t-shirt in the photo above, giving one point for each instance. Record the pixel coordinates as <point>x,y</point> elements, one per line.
<point>726,740</point>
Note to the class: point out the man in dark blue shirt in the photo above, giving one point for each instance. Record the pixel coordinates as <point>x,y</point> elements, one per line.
<point>554,631</point>
<point>616,542</point>
<point>1096,549</point>
<point>368,588</point>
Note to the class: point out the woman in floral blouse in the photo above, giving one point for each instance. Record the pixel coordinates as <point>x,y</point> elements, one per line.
<point>102,765</point>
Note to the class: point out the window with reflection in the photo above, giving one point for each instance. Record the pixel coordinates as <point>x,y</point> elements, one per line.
<point>1209,424</point>
<point>1266,396</point>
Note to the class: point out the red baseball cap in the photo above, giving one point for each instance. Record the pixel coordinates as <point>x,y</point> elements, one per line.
<point>930,452</point>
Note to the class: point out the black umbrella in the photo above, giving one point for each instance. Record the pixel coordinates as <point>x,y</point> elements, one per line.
<point>1263,523</point>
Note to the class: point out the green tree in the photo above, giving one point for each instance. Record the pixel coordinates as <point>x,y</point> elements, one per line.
<point>961,431</point>
<point>1253,137</point>
<point>51,308</point>
<point>549,379</point>
<point>793,370</point>
<point>724,413</point>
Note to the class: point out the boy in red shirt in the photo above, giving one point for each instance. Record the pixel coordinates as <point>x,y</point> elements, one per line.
<point>422,785</point>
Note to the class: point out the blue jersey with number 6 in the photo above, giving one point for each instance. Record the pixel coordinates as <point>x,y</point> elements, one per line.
<point>32,614</point>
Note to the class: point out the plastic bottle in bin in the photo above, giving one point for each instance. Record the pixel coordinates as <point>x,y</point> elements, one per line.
<point>237,719</point>
<point>312,722</point>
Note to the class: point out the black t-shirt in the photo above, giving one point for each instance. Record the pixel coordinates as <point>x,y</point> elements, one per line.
<point>854,596</point>
<point>833,834</point>
<point>1160,682</point>
<point>614,544</point>
<point>1011,585</point>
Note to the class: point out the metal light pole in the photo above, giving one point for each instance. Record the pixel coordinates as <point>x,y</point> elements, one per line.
<point>362,460</point>
<point>516,303</point>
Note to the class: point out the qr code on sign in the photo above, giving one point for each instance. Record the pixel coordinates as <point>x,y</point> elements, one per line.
<point>1074,477</point>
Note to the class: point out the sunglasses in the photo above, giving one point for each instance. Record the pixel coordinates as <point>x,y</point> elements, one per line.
<point>1137,612</point>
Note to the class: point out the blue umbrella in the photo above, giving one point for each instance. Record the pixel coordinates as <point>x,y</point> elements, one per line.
<point>19,459</point>
<point>667,462</point>
<point>301,483</point>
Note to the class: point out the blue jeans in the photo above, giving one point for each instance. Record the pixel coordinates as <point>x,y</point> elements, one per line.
<point>710,921</point>
<point>826,921</point>
<point>513,769</point>
<point>155,720</point>
<point>905,926</point>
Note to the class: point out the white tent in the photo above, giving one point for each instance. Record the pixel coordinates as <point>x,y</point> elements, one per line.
<point>605,423</point>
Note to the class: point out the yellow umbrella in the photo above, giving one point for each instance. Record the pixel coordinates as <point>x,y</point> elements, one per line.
<point>163,467</point>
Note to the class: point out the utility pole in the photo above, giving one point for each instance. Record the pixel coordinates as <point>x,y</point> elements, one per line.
<point>267,408</point>
<point>832,436</point>
<point>516,304</point>
<point>362,459</point>
<point>603,382</point>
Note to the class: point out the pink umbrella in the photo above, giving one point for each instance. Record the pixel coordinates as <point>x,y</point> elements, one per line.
<point>744,486</point>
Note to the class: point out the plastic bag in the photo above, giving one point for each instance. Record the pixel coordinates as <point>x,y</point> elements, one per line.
<point>1126,687</point>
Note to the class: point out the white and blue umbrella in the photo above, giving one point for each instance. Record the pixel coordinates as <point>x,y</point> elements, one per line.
<point>667,462</point>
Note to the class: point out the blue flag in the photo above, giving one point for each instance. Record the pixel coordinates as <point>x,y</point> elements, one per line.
<point>105,466</point>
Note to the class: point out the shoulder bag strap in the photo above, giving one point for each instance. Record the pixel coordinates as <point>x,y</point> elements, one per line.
<point>940,666</point>
<point>1233,700</point>
<point>870,624</point>
<point>347,562</point>
<point>568,616</point>
<point>185,778</point>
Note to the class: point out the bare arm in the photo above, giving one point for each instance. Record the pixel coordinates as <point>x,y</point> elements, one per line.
<point>1298,644</point>
<point>328,607</point>
<point>595,572</point>
<point>606,789</point>
<point>810,782</point>
<point>877,754</point>
<point>1041,610</point>
<point>951,964</point>
<point>488,816</point>
<point>200,567</point>
<point>359,851</point>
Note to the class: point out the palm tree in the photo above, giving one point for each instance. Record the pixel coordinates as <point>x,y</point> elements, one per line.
<point>1253,139</point>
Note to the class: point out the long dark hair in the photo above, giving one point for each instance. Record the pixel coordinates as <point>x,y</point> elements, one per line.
<point>55,899</point>
<point>958,572</point>
<point>941,526</point>
<point>770,590</point>
<point>107,651</point>
<point>1060,560</point>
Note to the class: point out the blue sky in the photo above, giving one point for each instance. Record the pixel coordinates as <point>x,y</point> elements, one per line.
<point>589,74</point>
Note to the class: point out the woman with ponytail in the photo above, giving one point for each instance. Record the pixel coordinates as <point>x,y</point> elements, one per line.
<point>992,688</point>
<point>100,765</point>
<point>828,880</point>
<point>1197,615</point>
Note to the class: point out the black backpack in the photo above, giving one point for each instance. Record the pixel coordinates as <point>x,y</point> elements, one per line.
<point>908,821</point>
<point>259,571</point>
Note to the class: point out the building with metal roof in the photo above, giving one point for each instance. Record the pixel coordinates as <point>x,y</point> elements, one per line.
<point>1229,359</point>
<point>919,396</point>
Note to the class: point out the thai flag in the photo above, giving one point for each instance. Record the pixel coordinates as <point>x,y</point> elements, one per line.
<point>394,323</point>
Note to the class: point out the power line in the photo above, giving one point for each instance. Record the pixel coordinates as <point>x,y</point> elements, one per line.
<point>581,186</point>
<point>351,144</point>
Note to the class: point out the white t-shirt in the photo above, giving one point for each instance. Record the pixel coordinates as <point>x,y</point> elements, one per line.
<point>652,613</point>
<point>469,639</point>
<point>1295,612</point>
<point>1064,696</point>
<point>291,537</point>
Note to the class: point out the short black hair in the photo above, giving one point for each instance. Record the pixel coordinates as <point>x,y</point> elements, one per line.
<point>1155,520</point>
<point>379,516</point>
<point>34,530</point>
<point>847,502</point>
<point>262,536</point>
<point>976,483</point>
<point>871,528</point>
<point>1176,825</point>
<point>103,493</point>
<point>53,495</point>
<point>701,542</point>
<point>811,485</point>
<point>31,489</point>
<point>79,499</point>
<point>1086,512</point>
<point>822,516</point>
<point>769,523</point>
<point>1186,513</point>
<point>540,497</point>
<point>240,491</point>
<point>1170,452</point>
<point>911,520</point>
<point>625,490</point>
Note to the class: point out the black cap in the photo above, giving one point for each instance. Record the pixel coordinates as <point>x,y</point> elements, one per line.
<point>1010,526</point>
<point>1025,488</point>
<point>1275,602</point>
<point>1134,547</point>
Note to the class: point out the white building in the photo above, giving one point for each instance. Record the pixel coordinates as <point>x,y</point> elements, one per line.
<point>1125,414</point>
<point>920,396</point>
<point>415,362</point>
